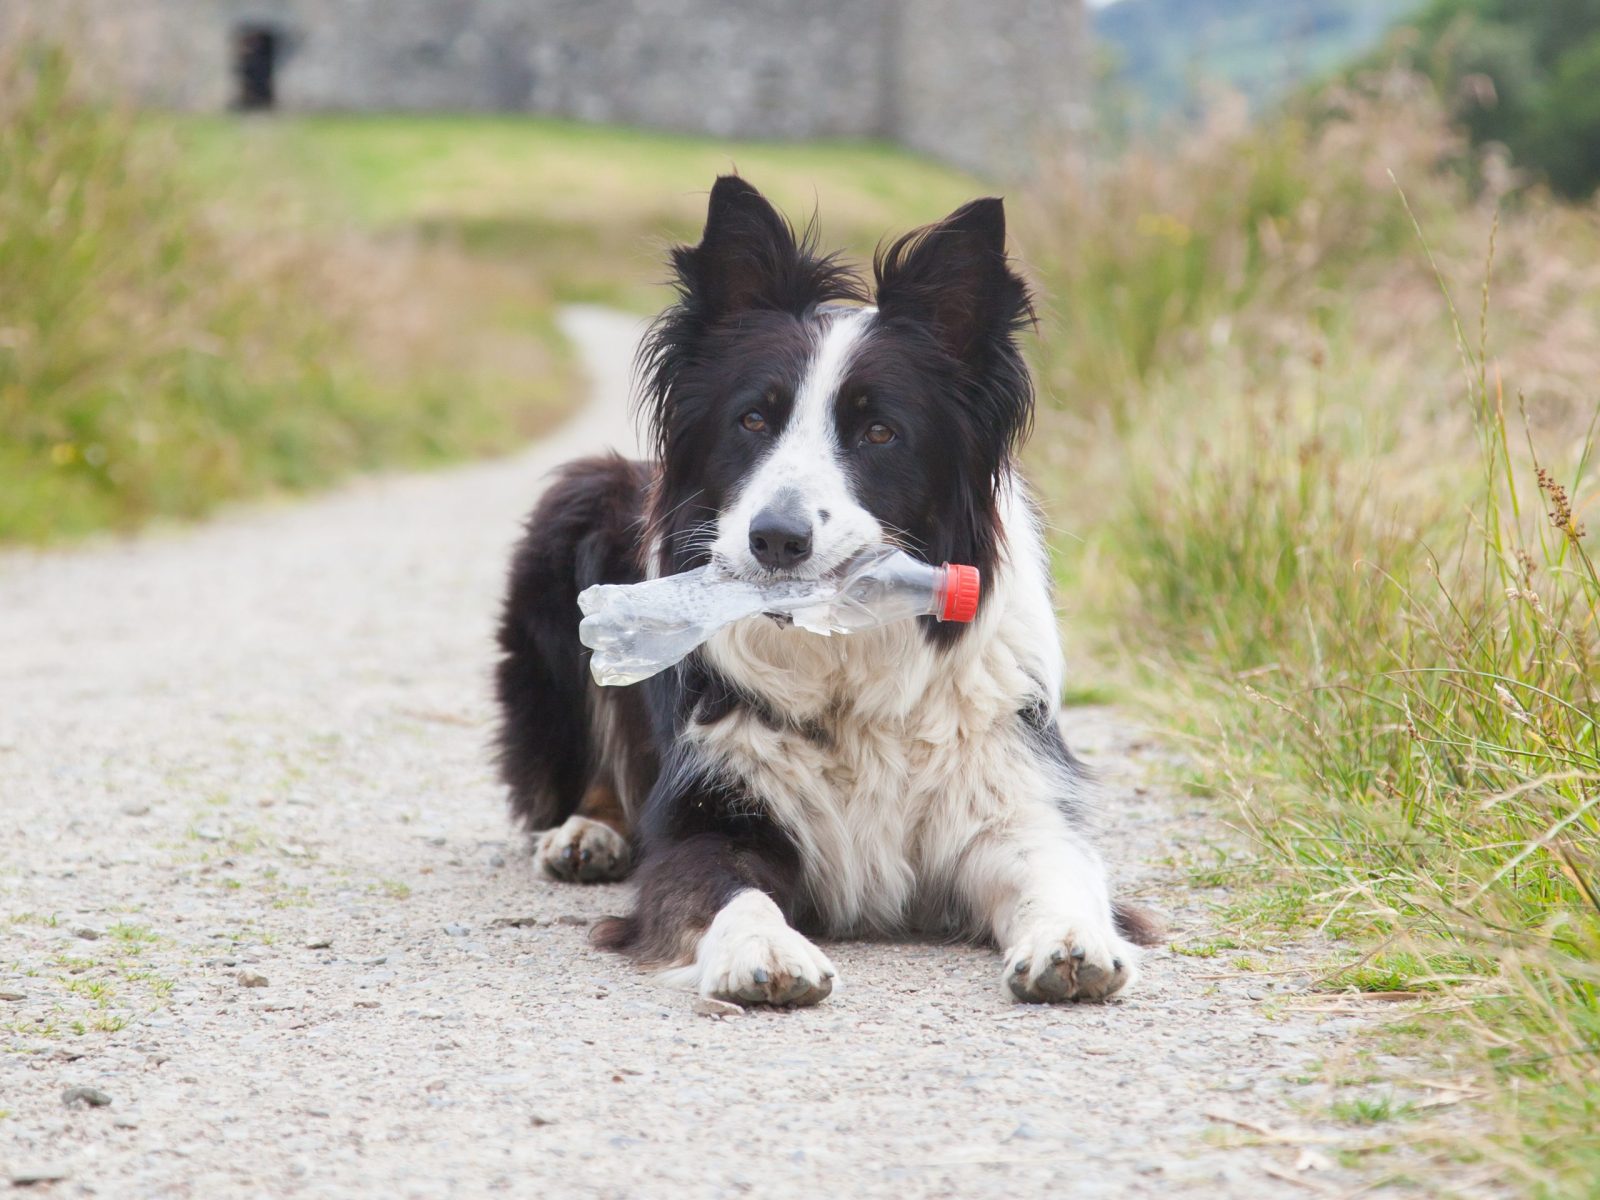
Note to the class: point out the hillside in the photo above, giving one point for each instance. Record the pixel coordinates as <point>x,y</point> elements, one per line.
<point>1162,49</point>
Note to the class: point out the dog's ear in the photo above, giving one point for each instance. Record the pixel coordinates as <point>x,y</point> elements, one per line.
<point>749,258</point>
<point>953,278</point>
<point>745,249</point>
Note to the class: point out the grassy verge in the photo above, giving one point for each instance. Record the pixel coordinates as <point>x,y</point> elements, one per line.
<point>1347,407</point>
<point>157,356</point>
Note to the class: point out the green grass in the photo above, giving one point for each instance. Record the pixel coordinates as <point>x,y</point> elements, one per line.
<point>588,209</point>
<point>1346,558</point>
<point>1371,1110</point>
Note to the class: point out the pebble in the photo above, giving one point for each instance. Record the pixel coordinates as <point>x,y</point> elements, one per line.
<point>84,1097</point>
<point>39,1173</point>
<point>319,943</point>
<point>571,919</point>
<point>87,932</point>
<point>251,979</point>
<point>135,810</point>
<point>455,929</point>
<point>7,995</point>
<point>706,1006</point>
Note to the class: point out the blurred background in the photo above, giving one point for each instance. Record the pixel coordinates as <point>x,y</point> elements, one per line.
<point>1318,354</point>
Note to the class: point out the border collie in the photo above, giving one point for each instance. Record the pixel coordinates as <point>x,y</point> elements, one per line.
<point>778,784</point>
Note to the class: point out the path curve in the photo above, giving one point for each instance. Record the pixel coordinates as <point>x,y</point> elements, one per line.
<point>256,750</point>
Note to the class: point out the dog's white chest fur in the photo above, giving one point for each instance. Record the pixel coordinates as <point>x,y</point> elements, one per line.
<point>887,760</point>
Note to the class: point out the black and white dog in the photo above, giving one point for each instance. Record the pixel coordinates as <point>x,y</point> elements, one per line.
<point>777,783</point>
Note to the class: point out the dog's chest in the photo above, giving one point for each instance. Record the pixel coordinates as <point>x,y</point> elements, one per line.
<point>880,757</point>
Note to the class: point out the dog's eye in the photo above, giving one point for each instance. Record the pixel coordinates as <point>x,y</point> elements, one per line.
<point>754,422</point>
<point>878,434</point>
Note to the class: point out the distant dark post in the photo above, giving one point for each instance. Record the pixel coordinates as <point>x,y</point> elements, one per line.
<point>255,63</point>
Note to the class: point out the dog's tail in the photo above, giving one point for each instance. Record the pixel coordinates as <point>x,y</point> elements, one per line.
<point>1139,925</point>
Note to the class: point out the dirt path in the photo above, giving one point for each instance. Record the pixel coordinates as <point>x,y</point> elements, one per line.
<point>256,750</point>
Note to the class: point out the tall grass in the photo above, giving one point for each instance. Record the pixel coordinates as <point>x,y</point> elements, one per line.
<point>1363,552</point>
<point>156,359</point>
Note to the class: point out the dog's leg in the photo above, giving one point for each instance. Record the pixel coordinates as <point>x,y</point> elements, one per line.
<point>554,741</point>
<point>591,846</point>
<point>711,908</point>
<point>1041,890</point>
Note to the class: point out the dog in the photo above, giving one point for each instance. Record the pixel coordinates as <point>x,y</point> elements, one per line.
<point>777,785</point>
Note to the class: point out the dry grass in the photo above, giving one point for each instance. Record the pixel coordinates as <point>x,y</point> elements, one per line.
<point>1347,405</point>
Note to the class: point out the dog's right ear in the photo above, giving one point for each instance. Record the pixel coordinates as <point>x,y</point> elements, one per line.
<point>749,258</point>
<point>748,261</point>
<point>745,251</point>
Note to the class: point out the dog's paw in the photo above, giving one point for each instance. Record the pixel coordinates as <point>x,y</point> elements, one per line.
<point>583,851</point>
<point>750,955</point>
<point>1050,966</point>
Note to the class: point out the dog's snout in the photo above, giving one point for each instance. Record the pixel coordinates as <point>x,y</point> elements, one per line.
<point>780,537</point>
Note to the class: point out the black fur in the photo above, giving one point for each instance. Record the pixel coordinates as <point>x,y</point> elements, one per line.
<point>709,839</point>
<point>585,530</point>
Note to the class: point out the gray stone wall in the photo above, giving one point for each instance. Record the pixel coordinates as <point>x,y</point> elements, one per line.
<point>981,83</point>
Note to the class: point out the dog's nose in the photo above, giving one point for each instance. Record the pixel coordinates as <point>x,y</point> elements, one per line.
<point>780,537</point>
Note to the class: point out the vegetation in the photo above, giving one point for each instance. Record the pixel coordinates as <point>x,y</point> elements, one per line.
<point>587,209</point>
<point>1329,437</point>
<point>1165,52</point>
<point>197,310</point>
<point>156,359</point>
<point>1523,75</point>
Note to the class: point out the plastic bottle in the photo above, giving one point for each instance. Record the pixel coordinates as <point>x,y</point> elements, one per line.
<point>637,630</point>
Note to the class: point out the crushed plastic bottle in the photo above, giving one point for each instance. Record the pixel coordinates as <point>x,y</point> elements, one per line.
<point>638,630</point>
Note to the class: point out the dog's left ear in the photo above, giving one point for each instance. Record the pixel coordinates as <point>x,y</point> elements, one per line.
<point>954,278</point>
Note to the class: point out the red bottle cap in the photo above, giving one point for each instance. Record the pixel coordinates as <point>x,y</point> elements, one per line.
<point>961,588</point>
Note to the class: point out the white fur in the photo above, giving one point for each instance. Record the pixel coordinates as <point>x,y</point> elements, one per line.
<point>750,955</point>
<point>803,468</point>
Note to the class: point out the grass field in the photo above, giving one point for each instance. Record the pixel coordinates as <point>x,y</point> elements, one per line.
<point>197,310</point>
<point>588,209</point>
<point>162,350</point>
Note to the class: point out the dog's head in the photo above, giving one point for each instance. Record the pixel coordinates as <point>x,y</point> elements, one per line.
<point>800,420</point>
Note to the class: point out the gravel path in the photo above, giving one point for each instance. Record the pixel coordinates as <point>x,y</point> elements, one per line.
<point>257,888</point>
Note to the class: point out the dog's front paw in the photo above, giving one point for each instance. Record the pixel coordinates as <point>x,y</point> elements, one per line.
<point>583,851</point>
<point>1050,967</point>
<point>750,955</point>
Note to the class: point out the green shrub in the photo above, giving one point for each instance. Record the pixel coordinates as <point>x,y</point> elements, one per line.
<point>1523,74</point>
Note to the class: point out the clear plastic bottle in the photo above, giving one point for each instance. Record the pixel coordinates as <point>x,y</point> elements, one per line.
<point>637,630</point>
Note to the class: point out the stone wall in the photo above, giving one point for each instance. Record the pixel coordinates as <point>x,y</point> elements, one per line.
<point>981,83</point>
